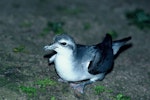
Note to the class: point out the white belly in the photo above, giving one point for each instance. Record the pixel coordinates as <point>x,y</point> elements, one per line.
<point>66,70</point>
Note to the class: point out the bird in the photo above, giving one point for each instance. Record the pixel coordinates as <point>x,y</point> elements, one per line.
<point>81,65</point>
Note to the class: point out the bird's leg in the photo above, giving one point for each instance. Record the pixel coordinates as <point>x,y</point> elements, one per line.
<point>80,87</point>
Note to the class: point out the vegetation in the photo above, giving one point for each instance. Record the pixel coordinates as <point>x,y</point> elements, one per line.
<point>20,48</point>
<point>26,24</point>
<point>139,18</point>
<point>52,98</point>
<point>100,89</point>
<point>122,97</point>
<point>86,26</point>
<point>55,27</point>
<point>113,33</point>
<point>45,82</point>
<point>30,91</point>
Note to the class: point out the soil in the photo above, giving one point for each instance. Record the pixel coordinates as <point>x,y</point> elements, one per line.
<point>26,75</point>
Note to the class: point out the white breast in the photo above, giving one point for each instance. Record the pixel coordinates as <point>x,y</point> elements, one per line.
<point>66,69</point>
<point>63,67</point>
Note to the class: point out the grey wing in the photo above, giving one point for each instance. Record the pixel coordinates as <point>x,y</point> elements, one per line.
<point>85,54</point>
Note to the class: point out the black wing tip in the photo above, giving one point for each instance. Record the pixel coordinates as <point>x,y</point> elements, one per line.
<point>108,35</point>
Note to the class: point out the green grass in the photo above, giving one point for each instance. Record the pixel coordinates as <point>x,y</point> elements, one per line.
<point>45,82</point>
<point>30,91</point>
<point>55,27</point>
<point>100,89</point>
<point>18,49</point>
<point>86,26</point>
<point>26,24</point>
<point>3,81</point>
<point>34,90</point>
<point>113,33</point>
<point>52,98</point>
<point>122,97</point>
<point>139,18</point>
<point>45,31</point>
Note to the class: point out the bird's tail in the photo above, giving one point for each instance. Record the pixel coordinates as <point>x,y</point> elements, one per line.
<point>116,45</point>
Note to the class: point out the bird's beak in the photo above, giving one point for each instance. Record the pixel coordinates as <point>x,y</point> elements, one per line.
<point>50,47</point>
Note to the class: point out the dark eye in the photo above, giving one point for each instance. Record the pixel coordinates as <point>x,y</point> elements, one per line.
<point>63,43</point>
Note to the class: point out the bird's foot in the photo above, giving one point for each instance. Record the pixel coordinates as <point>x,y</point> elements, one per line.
<point>78,87</point>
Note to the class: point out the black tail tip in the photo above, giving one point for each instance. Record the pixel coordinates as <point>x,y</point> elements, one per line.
<point>129,38</point>
<point>126,39</point>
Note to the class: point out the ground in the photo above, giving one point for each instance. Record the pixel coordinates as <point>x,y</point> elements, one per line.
<point>26,26</point>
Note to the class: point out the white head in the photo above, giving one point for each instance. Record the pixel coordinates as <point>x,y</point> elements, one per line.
<point>62,44</point>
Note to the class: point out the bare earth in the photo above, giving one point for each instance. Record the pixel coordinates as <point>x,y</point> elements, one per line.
<point>26,75</point>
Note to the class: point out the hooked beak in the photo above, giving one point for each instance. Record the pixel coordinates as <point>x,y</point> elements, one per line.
<point>50,47</point>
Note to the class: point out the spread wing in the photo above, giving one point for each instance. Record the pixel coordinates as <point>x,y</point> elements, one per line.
<point>103,59</point>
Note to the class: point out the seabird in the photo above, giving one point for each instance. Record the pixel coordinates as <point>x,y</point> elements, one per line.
<point>81,65</point>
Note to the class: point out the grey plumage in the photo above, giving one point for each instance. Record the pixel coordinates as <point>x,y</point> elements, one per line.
<point>75,62</point>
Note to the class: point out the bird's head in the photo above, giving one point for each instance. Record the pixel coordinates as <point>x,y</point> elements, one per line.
<point>62,44</point>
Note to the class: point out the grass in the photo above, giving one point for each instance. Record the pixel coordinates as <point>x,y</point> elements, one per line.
<point>9,84</point>
<point>100,89</point>
<point>55,27</point>
<point>139,18</point>
<point>122,97</point>
<point>3,81</point>
<point>52,98</point>
<point>34,90</point>
<point>113,33</point>
<point>30,91</point>
<point>18,49</point>
<point>26,24</point>
<point>86,26</point>
<point>45,82</point>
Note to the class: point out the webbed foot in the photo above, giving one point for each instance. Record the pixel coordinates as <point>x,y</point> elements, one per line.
<point>78,87</point>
